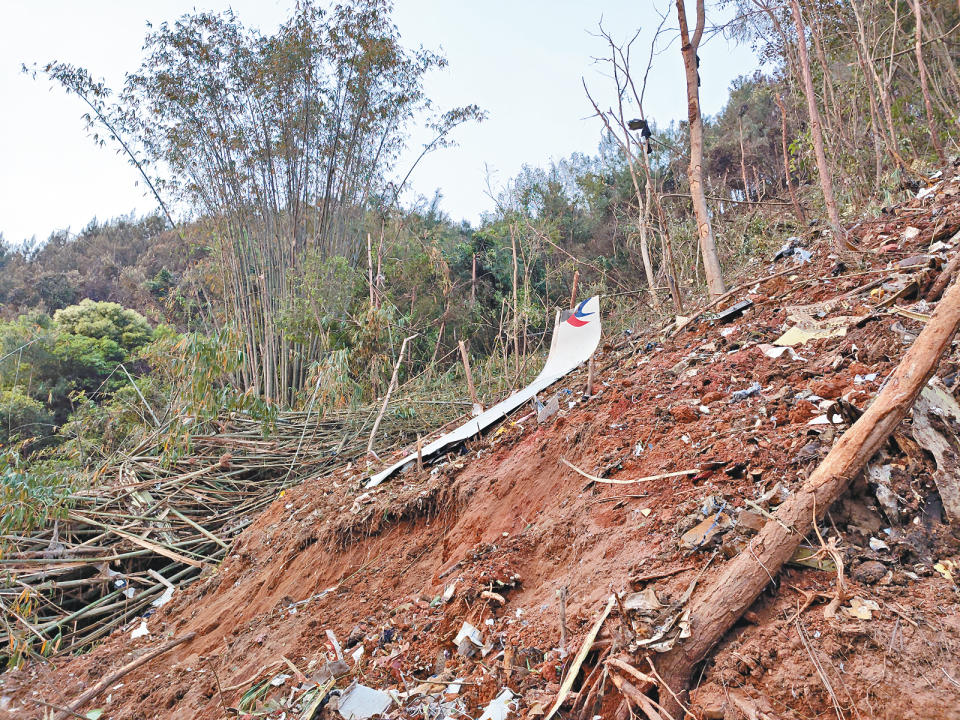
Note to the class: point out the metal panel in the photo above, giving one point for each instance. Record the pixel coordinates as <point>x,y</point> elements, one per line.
<point>575,340</point>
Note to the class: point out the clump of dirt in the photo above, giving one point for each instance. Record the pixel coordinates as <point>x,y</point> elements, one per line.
<point>336,583</point>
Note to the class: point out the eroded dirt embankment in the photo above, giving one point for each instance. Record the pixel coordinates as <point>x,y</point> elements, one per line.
<point>492,536</point>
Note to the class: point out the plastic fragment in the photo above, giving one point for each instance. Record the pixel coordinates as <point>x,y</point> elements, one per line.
<point>739,395</point>
<point>359,702</point>
<point>500,707</point>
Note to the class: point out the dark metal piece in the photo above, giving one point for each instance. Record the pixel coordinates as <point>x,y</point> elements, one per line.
<point>732,312</point>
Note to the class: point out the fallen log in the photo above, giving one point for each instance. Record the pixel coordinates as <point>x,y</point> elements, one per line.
<point>720,603</point>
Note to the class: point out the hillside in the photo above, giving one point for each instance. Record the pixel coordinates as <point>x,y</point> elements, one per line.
<point>506,536</point>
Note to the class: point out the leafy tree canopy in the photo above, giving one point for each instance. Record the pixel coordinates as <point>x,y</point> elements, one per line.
<point>105,321</point>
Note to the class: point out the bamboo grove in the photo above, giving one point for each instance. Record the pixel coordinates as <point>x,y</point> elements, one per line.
<point>289,259</point>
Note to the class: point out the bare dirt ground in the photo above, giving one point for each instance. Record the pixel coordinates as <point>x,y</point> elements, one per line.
<point>493,535</point>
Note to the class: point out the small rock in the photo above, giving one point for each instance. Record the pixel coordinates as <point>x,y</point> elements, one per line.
<point>354,638</point>
<point>711,397</point>
<point>751,520</point>
<point>802,412</point>
<point>829,389</point>
<point>684,414</point>
<point>869,572</point>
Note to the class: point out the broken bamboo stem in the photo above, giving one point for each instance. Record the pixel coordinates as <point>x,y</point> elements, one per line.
<point>370,270</point>
<point>636,698</point>
<point>386,399</point>
<point>578,660</point>
<point>611,481</point>
<point>469,374</point>
<point>720,604</point>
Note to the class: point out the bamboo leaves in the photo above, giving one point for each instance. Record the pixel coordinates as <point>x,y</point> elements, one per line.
<point>280,144</point>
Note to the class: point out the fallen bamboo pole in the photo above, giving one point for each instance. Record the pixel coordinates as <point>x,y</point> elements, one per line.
<point>113,677</point>
<point>574,670</point>
<point>612,481</point>
<point>192,509</point>
<point>386,399</point>
<point>477,408</point>
<point>715,609</point>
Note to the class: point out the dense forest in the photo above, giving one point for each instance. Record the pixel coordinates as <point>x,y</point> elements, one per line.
<point>283,271</point>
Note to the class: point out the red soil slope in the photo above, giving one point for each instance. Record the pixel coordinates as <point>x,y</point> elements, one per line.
<point>507,517</point>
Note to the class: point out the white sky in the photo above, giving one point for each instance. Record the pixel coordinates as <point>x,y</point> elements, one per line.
<point>521,60</point>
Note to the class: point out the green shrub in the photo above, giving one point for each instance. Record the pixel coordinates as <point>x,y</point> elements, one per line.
<point>105,320</point>
<point>22,417</point>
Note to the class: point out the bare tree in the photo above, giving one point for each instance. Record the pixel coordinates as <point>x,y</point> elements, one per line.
<point>637,153</point>
<point>882,84</point>
<point>616,126</point>
<point>708,246</point>
<point>797,208</point>
<point>826,183</point>
<point>922,68</point>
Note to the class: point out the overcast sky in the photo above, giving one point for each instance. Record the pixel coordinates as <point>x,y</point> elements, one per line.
<point>521,60</point>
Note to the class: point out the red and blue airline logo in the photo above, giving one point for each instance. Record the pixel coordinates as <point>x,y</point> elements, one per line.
<point>577,319</point>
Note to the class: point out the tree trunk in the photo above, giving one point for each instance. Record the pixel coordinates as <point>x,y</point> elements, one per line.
<point>786,161</point>
<point>882,88</point>
<point>828,96</point>
<point>943,52</point>
<point>922,67</point>
<point>666,243</point>
<point>645,252</point>
<point>516,314</point>
<point>464,355</point>
<point>876,127</point>
<point>743,163</point>
<point>826,183</point>
<point>672,278</point>
<point>715,609</point>
<point>370,270</point>
<point>473,282</point>
<point>386,399</point>
<point>708,246</point>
